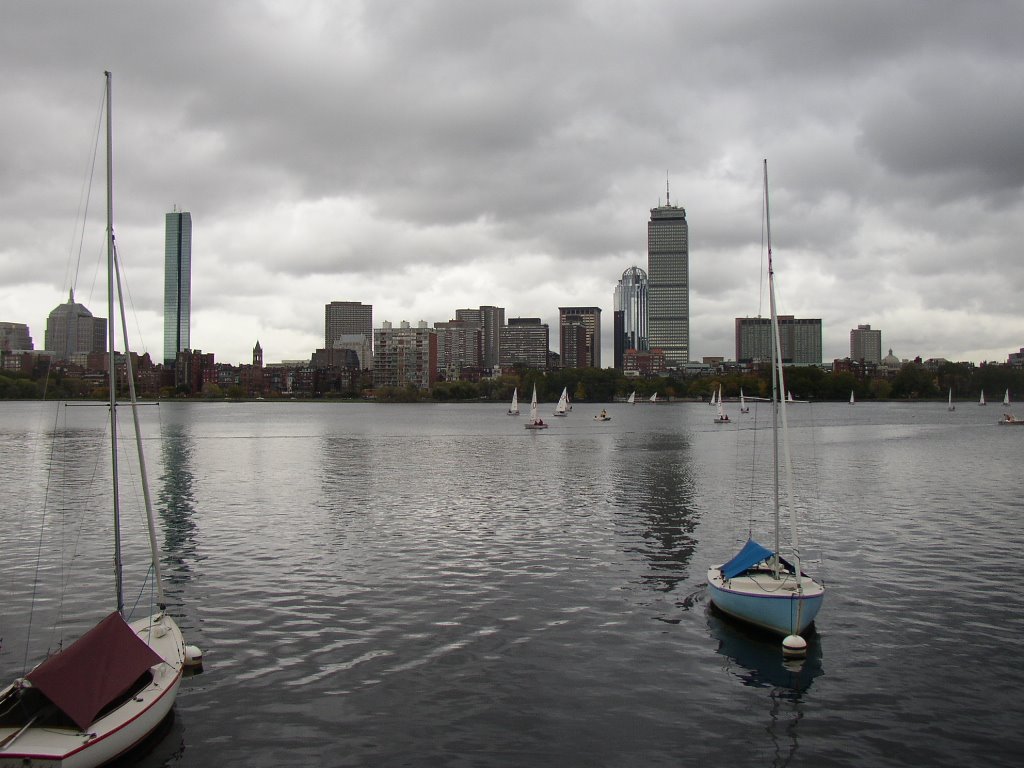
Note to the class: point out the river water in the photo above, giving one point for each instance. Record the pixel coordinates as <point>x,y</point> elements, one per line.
<point>433,585</point>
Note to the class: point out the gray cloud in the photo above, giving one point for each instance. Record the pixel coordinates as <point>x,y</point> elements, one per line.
<point>431,155</point>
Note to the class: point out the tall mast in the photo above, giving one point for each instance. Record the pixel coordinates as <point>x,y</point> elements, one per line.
<point>781,406</point>
<point>111,368</point>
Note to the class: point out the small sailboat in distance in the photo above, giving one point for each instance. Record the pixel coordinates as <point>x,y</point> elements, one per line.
<point>744,408</point>
<point>632,398</point>
<point>654,397</point>
<point>982,400</point>
<point>951,407</point>
<point>852,401</point>
<point>513,410</point>
<point>535,422</point>
<point>1006,399</point>
<point>562,407</point>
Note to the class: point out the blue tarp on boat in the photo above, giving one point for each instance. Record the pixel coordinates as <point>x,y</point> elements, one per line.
<point>751,554</point>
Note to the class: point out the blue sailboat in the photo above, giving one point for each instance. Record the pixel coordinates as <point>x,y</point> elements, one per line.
<point>758,586</point>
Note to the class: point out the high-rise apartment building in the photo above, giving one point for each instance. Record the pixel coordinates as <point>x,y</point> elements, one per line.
<point>177,284</point>
<point>866,344</point>
<point>490,320</point>
<point>14,337</point>
<point>404,355</point>
<point>72,330</point>
<point>349,325</point>
<point>588,318</point>
<point>668,283</point>
<point>524,341</point>
<point>630,299</point>
<point>800,340</point>
<point>458,347</point>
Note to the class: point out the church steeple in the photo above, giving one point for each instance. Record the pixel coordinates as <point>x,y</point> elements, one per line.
<point>257,355</point>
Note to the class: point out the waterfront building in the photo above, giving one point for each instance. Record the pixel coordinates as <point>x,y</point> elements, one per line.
<point>866,345</point>
<point>404,355</point>
<point>349,325</point>
<point>668,283</point>
<point>14,337</point>
<point>177,283</point>
<point>459,347</point>
<point>490,320</point>
<point>800,340</point>
<point>643,363</point>
<point>630,307</point>
<point>72,331</point>
<point>577,351</point>
<point>524,341</point>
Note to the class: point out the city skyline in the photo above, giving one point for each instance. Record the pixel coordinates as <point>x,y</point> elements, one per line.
<point>392,154</point>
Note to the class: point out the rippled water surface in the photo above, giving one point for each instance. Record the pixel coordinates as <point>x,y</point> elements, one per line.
<point>433,585</point>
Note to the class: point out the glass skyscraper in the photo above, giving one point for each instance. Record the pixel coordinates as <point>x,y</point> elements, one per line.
<point>631,299</point>
<point>177,284</point>
<point>668,284</point>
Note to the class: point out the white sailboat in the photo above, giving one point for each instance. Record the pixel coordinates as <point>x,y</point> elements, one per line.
<point>1006,398</point>
<point>982,400</point>
<point>654,398</point>
<point>632,398</point>
<point>757,585</point>
<point>535,422</point>
<point>852,401</point>
<point>744,408</point>
<point>103,694</point>
<point>951,407</point>
<point>513,410</point>
<point>562,407</point>
<point>722,417</point>
<point>714,402</point>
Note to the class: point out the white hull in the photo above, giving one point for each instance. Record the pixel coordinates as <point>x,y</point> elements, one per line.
<point>119,730</point>
<point>774,605</point>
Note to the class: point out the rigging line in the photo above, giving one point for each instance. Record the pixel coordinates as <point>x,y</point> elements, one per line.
<point>84,197</point>
<point>131,301</point>
<point>39,551</point>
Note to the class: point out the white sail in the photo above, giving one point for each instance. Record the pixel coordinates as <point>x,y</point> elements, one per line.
<point>632,398</point>
<point>513,409</point>
<point>562,408</point>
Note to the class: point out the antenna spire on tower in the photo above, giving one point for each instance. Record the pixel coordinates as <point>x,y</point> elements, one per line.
<point>668,197</point>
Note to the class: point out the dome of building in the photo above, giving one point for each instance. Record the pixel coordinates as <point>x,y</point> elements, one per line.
<point>890,360</point>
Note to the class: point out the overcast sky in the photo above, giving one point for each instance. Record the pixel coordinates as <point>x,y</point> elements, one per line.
<point>428,156</point>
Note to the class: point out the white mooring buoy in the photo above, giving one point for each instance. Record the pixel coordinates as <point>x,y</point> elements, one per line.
<point>794,646</point>
<point>193,656</point>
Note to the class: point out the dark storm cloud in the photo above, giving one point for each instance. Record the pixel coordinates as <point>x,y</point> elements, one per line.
<point>423,156</point>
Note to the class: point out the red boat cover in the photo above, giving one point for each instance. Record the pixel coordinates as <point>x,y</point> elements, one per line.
<point>94,670</point>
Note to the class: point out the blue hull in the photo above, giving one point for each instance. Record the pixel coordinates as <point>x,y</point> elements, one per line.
<point>783,614</point>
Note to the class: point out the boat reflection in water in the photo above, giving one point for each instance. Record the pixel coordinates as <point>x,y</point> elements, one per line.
<point>753,657</point>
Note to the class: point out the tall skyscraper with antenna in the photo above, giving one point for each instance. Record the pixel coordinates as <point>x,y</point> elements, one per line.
<point>668,282</point>
<point>177,283</point>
